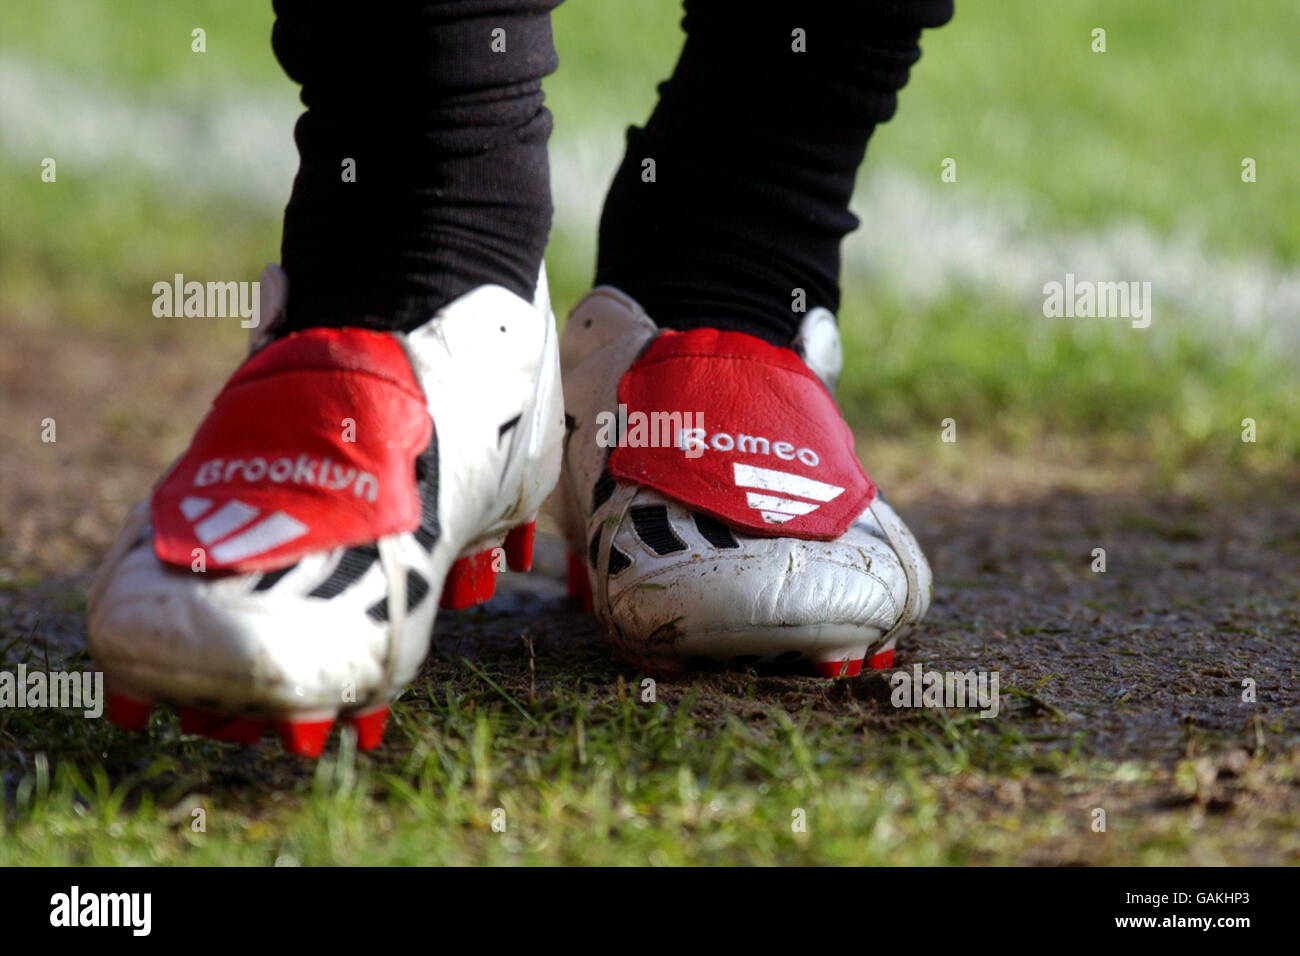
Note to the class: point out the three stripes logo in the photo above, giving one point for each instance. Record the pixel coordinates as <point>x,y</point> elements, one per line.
<point>776,508</point>
<point>223,524</point>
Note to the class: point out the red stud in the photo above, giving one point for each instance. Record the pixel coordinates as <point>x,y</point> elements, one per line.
<point>239,730</point>
<point>306,738</point>
<point>882,661</point>
<point>470,581</point>
<point>231,728</point>
<point>839,668</point>
<point>579,583</point>
<point>519,547</point>
<point>127,712</point>
<point>369,725</point>
<point>194,720</point>
<point>663,672</point>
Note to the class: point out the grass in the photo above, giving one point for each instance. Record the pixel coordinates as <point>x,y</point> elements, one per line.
<point>1013,379</point>
<point>582,775</point>
<point>1152,130</point>
<point>1143,132</point>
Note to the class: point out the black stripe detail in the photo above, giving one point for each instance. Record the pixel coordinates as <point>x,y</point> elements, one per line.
<point>271,578</point>
<point>652,527</point>
<point>617,561</point>
<point>354,563</point>
<point>603,488</point>
<point>506,426</point>
<point>427,534</point>
<point>593,551</point>
<point>426,483</point>
<point>714,531</point>
<point>416,590</point>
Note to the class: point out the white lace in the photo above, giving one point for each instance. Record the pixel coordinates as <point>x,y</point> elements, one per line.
<point>395,574</point>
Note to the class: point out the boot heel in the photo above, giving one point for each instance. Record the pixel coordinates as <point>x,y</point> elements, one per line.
<point>519,547</point>
<point>369,725</point>
<point>846,662</point>
<point>127,712</point>
<point>470,581</point>
<point>578,582</point>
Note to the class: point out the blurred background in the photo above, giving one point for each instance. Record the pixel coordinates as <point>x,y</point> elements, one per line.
<point>1122,165</point>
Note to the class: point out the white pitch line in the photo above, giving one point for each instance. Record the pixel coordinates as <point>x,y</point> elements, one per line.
<point>922,241</point>
<point>236,144</point>
<point>927,243</point>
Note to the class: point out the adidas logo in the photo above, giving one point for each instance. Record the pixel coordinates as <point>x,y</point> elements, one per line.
<point>214,525</point>
<point>774,508</point>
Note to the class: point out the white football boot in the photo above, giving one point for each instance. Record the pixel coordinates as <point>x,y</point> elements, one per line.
<point>713,504</point>
<point>287,569</point>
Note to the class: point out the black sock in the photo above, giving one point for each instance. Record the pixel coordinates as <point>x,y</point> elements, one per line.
<point>755,149</point>
<point>448,136</point>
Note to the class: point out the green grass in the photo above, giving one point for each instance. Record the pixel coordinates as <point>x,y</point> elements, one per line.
<point>1012,377</point>
<point>89,247</point>
<point>1151,131</point>
<point>589,774</point>
<point>147,46</point>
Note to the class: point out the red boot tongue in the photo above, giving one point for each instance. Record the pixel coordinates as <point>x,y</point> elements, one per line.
<point>741,430</point>
<point>311,445</point>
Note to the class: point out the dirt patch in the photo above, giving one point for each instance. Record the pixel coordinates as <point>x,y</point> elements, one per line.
<point>1147,661</point>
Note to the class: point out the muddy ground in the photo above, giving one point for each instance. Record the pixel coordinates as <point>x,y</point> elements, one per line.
<point>1144,662</point>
